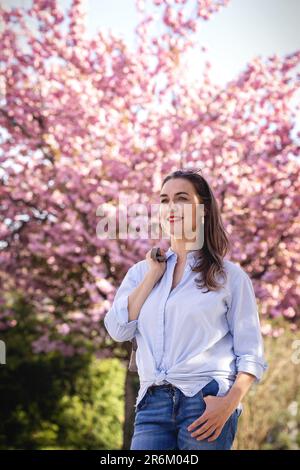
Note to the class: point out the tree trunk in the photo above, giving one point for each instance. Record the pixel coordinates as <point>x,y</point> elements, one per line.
<point>131,390</point>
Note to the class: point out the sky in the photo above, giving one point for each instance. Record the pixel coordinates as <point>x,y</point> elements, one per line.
<point>233,36</point>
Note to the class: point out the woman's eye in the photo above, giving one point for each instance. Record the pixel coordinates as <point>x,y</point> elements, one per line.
<point>183,198</point>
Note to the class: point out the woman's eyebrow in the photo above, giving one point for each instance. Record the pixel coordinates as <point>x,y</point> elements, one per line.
<point>181,192</point>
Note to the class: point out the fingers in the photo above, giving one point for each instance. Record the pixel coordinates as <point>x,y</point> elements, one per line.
<point>157,254</point>
<point>154,252</point>
<point>215,434</point>
<point>204,431</point>
<point>198,421</point>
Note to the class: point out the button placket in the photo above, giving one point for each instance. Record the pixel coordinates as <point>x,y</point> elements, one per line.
<point>162,329</point>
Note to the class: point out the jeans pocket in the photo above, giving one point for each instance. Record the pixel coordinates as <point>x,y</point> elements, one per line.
<point>211,388</point>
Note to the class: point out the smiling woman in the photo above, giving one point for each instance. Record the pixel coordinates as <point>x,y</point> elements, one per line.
<point>199,345</point>
<point>183,194</point>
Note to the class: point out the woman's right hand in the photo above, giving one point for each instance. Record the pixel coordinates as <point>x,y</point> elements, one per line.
<point>156,268</point>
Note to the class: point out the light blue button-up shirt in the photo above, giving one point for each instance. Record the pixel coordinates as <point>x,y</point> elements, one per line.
<point>187,337</point>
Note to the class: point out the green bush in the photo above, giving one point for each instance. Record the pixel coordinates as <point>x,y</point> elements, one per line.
<point>92,417</point>
<point>51,401</point>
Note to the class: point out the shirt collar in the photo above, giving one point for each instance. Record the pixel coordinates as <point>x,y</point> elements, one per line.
<point>190,254</point>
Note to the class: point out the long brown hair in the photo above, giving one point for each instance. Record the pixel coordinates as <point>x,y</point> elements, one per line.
<point>209,260</point>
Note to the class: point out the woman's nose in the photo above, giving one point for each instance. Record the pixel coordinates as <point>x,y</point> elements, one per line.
<point>175,209</point>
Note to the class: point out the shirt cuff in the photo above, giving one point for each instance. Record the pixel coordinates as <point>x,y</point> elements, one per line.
<point>251,364</point>
<point>122,314</point>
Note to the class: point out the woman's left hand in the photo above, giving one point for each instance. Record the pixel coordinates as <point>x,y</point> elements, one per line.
<point>218,409</point>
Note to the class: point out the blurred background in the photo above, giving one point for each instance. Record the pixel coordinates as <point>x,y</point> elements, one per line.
<point>99,100</point>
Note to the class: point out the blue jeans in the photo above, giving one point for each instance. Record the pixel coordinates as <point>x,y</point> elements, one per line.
<point>164,413</point>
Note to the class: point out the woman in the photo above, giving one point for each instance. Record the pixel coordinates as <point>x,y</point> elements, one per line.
<point>199,340</point>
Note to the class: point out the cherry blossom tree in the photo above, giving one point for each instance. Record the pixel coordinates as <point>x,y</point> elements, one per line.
<point>86,120</point>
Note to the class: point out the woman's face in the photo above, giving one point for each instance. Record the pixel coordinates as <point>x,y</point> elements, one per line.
<point>178,198</point>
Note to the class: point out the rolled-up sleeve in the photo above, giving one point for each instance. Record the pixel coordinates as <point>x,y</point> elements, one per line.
<point>244,324</point>
<point>116,320</point>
